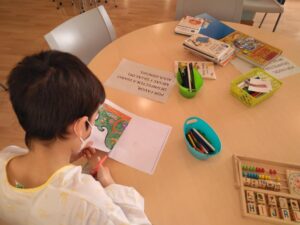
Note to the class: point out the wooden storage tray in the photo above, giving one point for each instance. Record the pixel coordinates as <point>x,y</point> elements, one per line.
<point>281,169</point>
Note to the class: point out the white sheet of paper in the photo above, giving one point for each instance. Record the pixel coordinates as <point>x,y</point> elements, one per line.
<point>258,85</point>
<point>241,65</point>
<point>142,80</point>
<point>142,142</point>
<point>282,67</point>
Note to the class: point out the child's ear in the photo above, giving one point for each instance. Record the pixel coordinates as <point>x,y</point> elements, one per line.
<point>79,126</point>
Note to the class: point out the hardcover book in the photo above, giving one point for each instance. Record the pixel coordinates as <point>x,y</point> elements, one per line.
<point>189,25</point>
<point>214,28</point>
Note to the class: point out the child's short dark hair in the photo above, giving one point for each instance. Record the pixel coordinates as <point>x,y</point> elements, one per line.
<point>51,90</point>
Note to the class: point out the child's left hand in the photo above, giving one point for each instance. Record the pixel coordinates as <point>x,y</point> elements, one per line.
<point>87,152</point>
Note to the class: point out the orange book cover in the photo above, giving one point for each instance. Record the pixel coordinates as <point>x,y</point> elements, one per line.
<point>252,50</point>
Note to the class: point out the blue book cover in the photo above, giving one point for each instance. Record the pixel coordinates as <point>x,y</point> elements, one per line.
<point>213,28</point>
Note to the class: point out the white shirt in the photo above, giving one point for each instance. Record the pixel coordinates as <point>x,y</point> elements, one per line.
<point>68,197</point>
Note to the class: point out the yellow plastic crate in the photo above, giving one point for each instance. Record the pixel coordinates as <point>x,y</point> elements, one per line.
<point>244,96</point>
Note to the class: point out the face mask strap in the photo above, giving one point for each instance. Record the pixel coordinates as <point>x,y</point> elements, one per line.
<point>89,124</point>
<point>81,139</point>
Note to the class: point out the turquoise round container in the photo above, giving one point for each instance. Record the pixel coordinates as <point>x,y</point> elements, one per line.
<point>207,131</point>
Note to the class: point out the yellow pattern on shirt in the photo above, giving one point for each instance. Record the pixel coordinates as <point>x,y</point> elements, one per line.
<point>43,213</point>
<point>64,197</point>
<point>11,208</point>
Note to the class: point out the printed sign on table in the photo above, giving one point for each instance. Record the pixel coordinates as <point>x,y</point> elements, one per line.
<point>142,80</point>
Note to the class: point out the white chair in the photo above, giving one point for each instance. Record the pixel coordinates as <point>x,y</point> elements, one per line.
<point>264,6</point>
<point>228,10</point>
<point>84,35</point>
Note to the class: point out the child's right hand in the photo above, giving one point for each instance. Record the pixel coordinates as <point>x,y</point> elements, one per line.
<point>104,176</point>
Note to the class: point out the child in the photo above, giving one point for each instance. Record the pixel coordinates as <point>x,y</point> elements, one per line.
<point>56,97</point>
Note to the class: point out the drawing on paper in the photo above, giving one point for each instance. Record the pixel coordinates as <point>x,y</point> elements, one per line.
<point>113,121</point>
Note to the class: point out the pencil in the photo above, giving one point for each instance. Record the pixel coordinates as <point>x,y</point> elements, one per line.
<point>100,162</point>
<point>191,141</point>
<point>198,145</point>
<point>189,78</point>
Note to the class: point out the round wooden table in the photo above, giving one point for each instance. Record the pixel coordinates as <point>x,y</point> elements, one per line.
<point>184,190</point>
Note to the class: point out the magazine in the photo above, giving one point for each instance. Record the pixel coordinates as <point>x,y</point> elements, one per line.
<point>252,50</point>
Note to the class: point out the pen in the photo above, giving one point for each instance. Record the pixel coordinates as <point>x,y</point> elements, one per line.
<point>189,78</point>
<point>192,75</point>
<point>186,79</point>
<point>181,75</point>
<point>192,142</point>
<point>100,162</point>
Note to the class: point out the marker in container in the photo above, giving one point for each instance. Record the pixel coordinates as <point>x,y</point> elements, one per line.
<point>192,75</point>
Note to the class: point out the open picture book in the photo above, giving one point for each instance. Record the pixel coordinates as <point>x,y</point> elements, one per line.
<point>130,139</point>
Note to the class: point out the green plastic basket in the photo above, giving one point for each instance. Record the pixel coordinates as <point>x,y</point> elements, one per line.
<point>198,84</point>
<point>244,96</point>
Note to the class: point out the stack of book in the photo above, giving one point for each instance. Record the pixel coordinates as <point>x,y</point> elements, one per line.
<point>248,48</point>
<point>209,48</point>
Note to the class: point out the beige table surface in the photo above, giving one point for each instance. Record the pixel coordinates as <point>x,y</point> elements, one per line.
<point>184,190</point>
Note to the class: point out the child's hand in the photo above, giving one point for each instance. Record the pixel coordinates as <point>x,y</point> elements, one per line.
<point>87,152</point>
<point>104,176</point>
